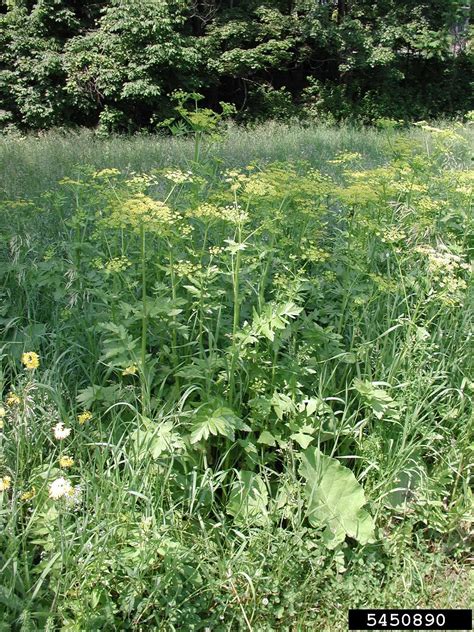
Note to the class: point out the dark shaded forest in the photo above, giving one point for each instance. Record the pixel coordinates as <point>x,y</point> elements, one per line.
<point>116,63</point>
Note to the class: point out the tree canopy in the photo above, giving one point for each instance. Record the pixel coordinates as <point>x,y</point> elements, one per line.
<point>117,62</point>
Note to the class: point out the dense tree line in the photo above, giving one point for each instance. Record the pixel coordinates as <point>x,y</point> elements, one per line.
<point>116,62</point>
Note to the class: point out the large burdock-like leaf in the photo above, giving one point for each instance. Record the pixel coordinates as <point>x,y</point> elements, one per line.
<point>335,499</point>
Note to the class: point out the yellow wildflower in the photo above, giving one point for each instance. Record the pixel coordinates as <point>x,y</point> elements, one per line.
<point>258,187</point>
<point>106,173</point>
<point>117,264</point>
<point>141,210</point>
<point>30,360</point>
<point>345,157</point>
<point>84,417</point>
<point>205,211</point>
<point>178,176</point>
<point>5,483</point>
<point>130,370</point>
<point>66,461</point>
<point>29,494</point>
<point>185,268</point>
<point>12,399</point>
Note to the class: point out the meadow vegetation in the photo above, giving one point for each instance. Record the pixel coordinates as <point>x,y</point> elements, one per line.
<point>236,377</point>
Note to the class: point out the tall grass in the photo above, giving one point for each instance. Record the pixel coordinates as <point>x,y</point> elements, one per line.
<point>33,164</point>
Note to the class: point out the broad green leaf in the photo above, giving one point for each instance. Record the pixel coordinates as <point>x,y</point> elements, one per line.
<point>266,438</point>
<point>377,399</point>
<point>98,394</point>
<point>248,499</point>
<point>335,499</point>
<point>154,439</point>
<point>303,440</point>
<point>282,404</point>
<point>219,421</point>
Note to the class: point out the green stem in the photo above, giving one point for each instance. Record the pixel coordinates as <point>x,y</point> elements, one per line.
<point>236,316</point>
<point>197,143</point>
<point>174,336</point>
<point>144,316</point>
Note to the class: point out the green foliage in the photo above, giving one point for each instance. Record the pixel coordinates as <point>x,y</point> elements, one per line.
<point>115,64</point>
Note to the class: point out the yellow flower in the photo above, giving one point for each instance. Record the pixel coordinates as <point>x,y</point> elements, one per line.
<point>5,483</point>
<point>178,176</point>
<point>60,432</point>
<point>59,488</point>
<point>66,461</point>
<point>118,264</point>
<point>205,211</point>
<point>30,360</point>
<point>28,495</point>
<point>84,417</point>
<point>106,173</point>
<point>130,370</point>
<point>12,399</point>
<point>3,412</point>
<point>141,210</point>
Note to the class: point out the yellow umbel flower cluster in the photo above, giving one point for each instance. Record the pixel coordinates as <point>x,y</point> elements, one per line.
<point>117,264</point>
<point>141,210</point>
<point>185,268</point>
<point>345,157</point>
<point>178,177</point>
<point>106,173</point>
<point>30,360</point>
<point>257,187</point>
<point>206,211</point>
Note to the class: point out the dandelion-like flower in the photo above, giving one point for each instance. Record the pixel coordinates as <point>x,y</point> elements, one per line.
<point>12,399</point>
<point>60,432</point>
<point>3,412</point>
<point>29,494</point>
<point>30,360</point>
<point>59,488</point>
<point>5,483</point>
<point>66,461</point>
<point>84,417</point>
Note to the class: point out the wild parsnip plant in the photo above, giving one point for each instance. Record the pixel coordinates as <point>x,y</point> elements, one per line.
<point>238,396</point>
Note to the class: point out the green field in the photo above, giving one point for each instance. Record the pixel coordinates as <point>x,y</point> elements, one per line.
<point>237,392</point>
